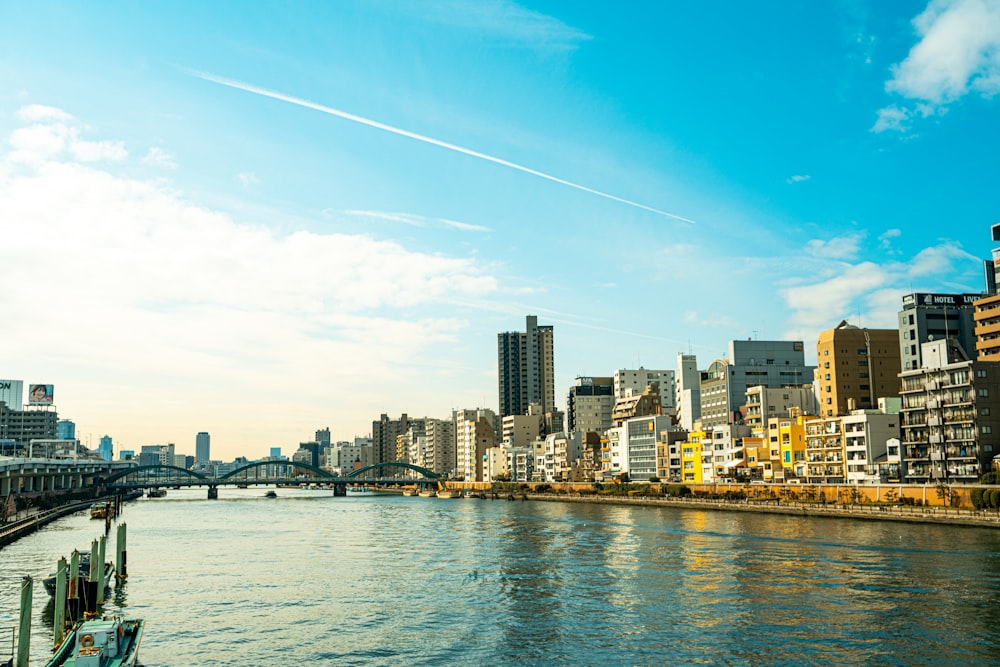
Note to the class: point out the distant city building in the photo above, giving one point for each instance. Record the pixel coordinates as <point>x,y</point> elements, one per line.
<point>202,448</point>
<point>930,317</point>
<point>526,369</point>
<point>323,436</point>
<point>521,430</point>
<point>640,438</point>
<point>634,381</point>
<point>106,448</point>
<point>589,404</point>
<point>384,434</point>
<point>440,454</point>
<point>65,429</point>
<point>23,426</point>
<point>475,432</point>
<point>639,404</point>
<point>275,452</point>
<point>688,392</point>
<point>126,455</point>
<point>12,393</point>
<point>856,367</point>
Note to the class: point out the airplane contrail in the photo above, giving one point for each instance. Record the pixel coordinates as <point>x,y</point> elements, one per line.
<point>239,85</point>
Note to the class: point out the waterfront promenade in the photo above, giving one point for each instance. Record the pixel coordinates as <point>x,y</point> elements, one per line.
<point>906,513</point>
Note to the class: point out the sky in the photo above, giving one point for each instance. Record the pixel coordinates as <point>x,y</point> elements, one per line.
<point>262,219</point>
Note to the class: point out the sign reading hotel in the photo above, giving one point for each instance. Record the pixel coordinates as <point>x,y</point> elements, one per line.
<point>40,394</point>
<point>944,300</point>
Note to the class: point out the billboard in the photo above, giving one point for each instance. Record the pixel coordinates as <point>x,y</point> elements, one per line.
<point>39,394</point>
<point>10,393</point>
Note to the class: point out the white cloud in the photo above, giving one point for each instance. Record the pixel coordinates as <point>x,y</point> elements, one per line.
<point>885,240</point>
<point>157,157</point>
<point>51,134</point>
<point>873,291</point>
<point>247,179</point>
<point>145,304</point>
<point>958,54</point>
<point>798,178</point>
<point>892,118</point>
<point>841,247</point>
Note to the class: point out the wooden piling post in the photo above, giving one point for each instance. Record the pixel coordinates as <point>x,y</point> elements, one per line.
<point>90,608</point>
<point>100,569</point>
<point>24,628</point>
<point>73,596</point>
<point>120,560</point>
<point>59,604</point>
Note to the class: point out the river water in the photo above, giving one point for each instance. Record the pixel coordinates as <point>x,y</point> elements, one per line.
<point>307,578</point>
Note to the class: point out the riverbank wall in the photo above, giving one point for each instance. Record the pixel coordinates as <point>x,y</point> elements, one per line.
<point>894,502</point>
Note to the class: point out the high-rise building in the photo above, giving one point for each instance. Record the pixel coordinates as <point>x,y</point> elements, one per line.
<point>987,313</point>
<point>526,369</point>
<point>384,434</point>
<point>107,448</point>
<point>589,404</point>
<point>856,368</point>
<point>929,317</point>
<point>202,448</point>
<point>12,393</point>
<point>65,430</point>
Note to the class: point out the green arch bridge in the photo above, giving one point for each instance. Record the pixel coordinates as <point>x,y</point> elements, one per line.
<point>281,473</point>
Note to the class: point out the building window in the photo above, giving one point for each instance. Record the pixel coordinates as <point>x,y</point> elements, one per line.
<point>987,429</point>
<point>980,372</point>
<point>984,392</point>
<point>984,412</point>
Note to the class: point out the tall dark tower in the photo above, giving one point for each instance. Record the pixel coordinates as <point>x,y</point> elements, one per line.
<point>526,369</point>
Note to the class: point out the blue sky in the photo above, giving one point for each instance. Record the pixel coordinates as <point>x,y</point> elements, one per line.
<point>252,219</point>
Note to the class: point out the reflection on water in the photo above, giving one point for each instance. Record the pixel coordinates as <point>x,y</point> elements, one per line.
<point>421,581</point>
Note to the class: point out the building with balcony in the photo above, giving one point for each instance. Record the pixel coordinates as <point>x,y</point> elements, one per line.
<point>526,368</point>
<point>825,451</point>
<point>987,318</point>
<point>867,437</point>
<point>950,416</point>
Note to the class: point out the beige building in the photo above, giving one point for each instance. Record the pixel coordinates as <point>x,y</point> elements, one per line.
<point>987,317</point>
<point>475,432</point>
<point>637,405</point>
<point>856,368</point>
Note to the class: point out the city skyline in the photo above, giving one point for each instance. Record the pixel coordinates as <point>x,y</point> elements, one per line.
<point>344,232</point>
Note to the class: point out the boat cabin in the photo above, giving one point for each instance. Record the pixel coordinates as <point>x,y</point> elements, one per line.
<point>97,642</point>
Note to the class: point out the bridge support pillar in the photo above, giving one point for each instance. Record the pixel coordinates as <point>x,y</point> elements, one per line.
<point>213,493</point>
<point>340,489</point>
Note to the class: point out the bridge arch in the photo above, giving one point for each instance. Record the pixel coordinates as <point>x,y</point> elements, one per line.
<point>141,469</point>
<point>395,464</point>
<point>261,464</point>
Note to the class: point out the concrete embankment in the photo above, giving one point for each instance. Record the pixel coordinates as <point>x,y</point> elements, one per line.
<point>14,530</point>
<point>940,515</point>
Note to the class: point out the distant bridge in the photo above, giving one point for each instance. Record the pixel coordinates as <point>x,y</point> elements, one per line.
<point>280,473</point>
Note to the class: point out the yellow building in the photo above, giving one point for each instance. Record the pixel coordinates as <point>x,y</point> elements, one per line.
<point>692,457</point>
<point>791,433</point>
<point>987,318</point>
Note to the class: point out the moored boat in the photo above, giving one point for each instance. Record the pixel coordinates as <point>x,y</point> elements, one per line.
<point>412,491</point>
<point>156,493</point>
<point>109,570</point>
<point>449,493</point>
<point>427,493</point>
<point>368,491</point>
<point>271,494</point>
<point>102,510</point>
<point>108,642</point>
